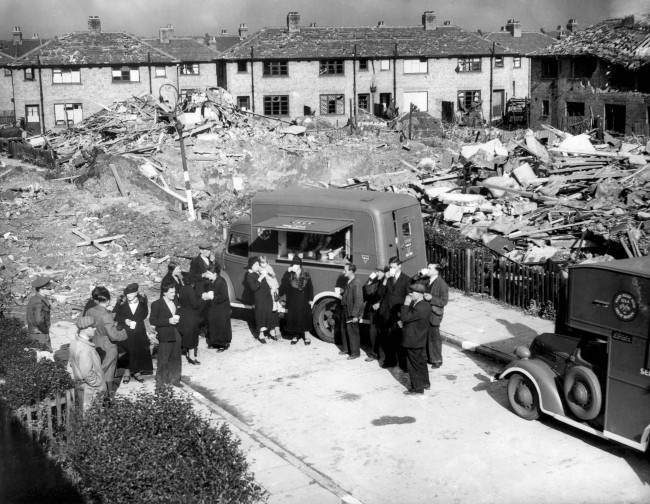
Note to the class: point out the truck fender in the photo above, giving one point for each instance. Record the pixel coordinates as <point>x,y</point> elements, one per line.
<point>324,294</point>
<point>231,292</point>
<point>543,378</point>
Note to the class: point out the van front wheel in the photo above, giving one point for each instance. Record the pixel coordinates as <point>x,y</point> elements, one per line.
<point>324,319</point>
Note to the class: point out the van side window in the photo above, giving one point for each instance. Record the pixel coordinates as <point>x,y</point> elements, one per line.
<point>238,244</point>
<point>406,229</point>
<point>325,249</point>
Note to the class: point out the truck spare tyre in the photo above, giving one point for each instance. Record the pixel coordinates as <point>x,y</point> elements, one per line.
<point>324,319</point>
<point>582,392</point>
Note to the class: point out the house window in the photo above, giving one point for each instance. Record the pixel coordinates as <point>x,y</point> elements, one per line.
<point>332,104</point>
<point>190,69</point>
<point>125,74</point>
<point>465,98</point>
<point>331,67</point>
<point>582,67</point>
<point>498,62</point>
<point>244,102</point>
<point>32,114</point>
<point>363,65</point>
<point>575,109</point>
<point>29,73</point>
<point>363,101</point>
<point>469,64</point>
<point>67,113</point>
<point>384,65</point>
<point>549,68</point>
<point>66,76</point>
<point>242,66</point>
<point>516,62</point>
<point>275,68</point>
<point>276,105</point>
<point>546,108</point>
<point>412,66</point>
<point>7,72</point>
<point>160,71</point>
<point>238,244</point>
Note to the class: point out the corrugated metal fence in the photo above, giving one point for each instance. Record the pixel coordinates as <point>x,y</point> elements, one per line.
<point>484,272</point>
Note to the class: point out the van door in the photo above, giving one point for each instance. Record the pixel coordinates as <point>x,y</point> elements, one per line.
<point>235,258</point>
<point>404,234</point>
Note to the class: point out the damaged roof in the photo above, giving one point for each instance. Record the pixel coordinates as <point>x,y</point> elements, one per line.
<point>371,42</point>
<point>185,48</point>
<point>5,59</point>
<point>88,49</point>
<point>17,50</point>
<point>526,44</point>
<point>622,41</point>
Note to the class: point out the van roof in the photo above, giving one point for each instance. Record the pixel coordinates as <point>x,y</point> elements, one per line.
<point>346,199</point>
<point>639,266</point>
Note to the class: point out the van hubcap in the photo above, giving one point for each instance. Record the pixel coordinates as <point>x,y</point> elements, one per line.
<point>524,397</point>
<point>580,394</point>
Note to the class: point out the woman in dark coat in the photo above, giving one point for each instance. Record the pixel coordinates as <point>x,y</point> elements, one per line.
<point>175,277</point>
<point>191,301</point>
<point>130,313</point>
<point>297,287</point>
<point>219,328</point>
<point>265,317</point>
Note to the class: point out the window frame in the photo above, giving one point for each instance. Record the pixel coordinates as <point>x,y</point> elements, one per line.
<point>467,93</point>
<point>283,101</point>
<point>33,106</point>
<point>275,68</point>
<point>122,71</point>
<point>67,106</point>
<point>248,101</point>
<point>331,67</point>
<point>470,64</point>
<point>328,99</point>
<point>516,62</point>
<point>31,74</point>
<point>546,108</point>
<point>65,71</point>
<point>499,62</point>
<point>156,69</point>
<point>245,241</point>
<point>185,66</point>
<point>366,98</point>
<point>7,72</point>
<point>419,71</point>
<point>381,65</point>
<point>546,65</point>
<point>572,106</point>
<point>239,66</point>
<point>365,62</point>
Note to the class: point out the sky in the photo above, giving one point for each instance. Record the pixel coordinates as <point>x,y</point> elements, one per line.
<point>196,17</point>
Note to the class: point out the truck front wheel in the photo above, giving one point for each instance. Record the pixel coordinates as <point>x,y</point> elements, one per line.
<point>324,319</point>
<point>522,397</point>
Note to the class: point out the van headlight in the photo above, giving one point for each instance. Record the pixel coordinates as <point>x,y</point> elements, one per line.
<point>522,352</point>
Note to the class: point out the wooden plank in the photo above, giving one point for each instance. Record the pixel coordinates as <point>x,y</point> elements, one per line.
<point>89,239</point>
<point>99,240</point>
<point>519,234</point>
<point>118,180</point>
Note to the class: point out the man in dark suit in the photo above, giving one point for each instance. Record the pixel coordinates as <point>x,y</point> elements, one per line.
<point>352,303</point>
<point>438,296</point>
<point>164,316</point>
<point>373,293</point>
<point>415,314</point>
<point>38,312</point>
<point>396,289</point>
<point>202,273</point>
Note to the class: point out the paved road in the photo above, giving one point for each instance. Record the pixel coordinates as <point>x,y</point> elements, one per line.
<point>459,443</point>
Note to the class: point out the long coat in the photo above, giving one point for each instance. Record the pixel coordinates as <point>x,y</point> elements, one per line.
<point>415,330</point>
<point>299,292</point>
<point>439,298</point>
<point>197,268</point>
<point>191,315</point>
<point>38,315</point>
<point>107,335</point>
<point>159,318</point>
<point>171,278</point>
<point>219,310</point>
<point>396,291</point>
<point>263,301</point>
<point>137,341</point>
<point>352,299</point>
<point>373,292</point>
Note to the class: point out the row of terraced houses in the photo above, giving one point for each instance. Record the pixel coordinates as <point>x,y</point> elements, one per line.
<point>289,71</point>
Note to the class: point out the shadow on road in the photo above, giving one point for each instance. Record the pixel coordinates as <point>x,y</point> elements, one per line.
<point>517,329</point>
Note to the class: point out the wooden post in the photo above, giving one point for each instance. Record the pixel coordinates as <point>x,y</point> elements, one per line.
<point>395,77</point>
<point>252,83</point>
<point>468,270</point>
<point>353,114</point>
<point>186,174</point>
<point>410,118</point>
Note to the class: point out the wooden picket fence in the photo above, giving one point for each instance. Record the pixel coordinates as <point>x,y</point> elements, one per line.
<point>49,416</point>
<point>482,271</point>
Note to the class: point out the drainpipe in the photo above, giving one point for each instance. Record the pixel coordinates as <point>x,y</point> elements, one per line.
<point>252,83</point>
<point>353,114</point>
<point>149,66</point>
<point>40,85</point>
<point>13,94</point>
<point>178,79</point>
<point>491,81</point>
<point>395,77</point>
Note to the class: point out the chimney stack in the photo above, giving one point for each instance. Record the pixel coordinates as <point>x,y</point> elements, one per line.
<point>94,24</point>
<point>243,31</point>
<point>312,25</point>
<point>446,23</point>
<point>35,36</point>
<point>224,32</point>
<point>514,27</point>
<point>380,24</point>
<point>572,25</point>
<point>165,33</point>
<point>429,20</point>
<point>17,36</point>
<point>293,22</point>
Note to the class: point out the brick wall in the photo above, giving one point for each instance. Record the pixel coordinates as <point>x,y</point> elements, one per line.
<point>6,105</point>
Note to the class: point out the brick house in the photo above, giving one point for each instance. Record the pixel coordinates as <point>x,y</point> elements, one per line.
<point>296,70</point>
<point>599,76</point>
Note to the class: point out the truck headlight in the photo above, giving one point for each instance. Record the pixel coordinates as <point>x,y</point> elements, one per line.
<point>522,352</point>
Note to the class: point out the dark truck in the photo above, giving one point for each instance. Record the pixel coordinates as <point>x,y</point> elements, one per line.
<point>594,372</point>
<point>326,228</point>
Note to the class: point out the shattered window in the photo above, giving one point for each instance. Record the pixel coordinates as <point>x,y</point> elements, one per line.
<point>363,65</point>
<point>516,62</point>
<point>29,73</point>
<point>275,68</point>
<point>498,62</point>
<point>465,98</point>
<point>277,105</point>
<point>66,76</point>
<point>363,101</point>
<point>68,113</point>
<point>331,67</point>
<point>244,102</point>
<point>575,109</point>
<point>332,104</point>
<point>190,69</point>
<point>469,64</point>
<point>549,68</point>
<point>125,74</point>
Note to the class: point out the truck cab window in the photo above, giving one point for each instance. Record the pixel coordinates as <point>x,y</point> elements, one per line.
<point>406,229</point>
<point>238,244</point>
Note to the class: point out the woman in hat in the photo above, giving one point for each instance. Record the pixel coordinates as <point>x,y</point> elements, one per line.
<point>192,304</point>
<point>85,362</point>
<point>297,287</point>
<point>219,328</point>
<point>175,276</point>
<point>257,284</point>
<point>131,310</point>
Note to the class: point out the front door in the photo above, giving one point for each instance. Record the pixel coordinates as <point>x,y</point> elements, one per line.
<point>447,112</point>
<point>33,118</point>
<point>615,118</point>
<point>498,96</point>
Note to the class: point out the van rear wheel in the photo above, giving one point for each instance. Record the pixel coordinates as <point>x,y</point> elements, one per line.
<point>324,319</point>
<point>523,397</point>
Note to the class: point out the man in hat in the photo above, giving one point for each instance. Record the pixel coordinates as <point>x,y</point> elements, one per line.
<point>85,362</point>
<point>202,266</point>
<point>438,296</point>
<point>352,303</point>
<point>397,284</point>
<point>38,311</point>
<point>373,293</point>
<point>414,321</point>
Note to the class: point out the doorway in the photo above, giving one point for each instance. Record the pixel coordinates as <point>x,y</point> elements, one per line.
<point>447,112</point>
<point>615,118</point>
<point>498,98</point>
<point>33,118</point>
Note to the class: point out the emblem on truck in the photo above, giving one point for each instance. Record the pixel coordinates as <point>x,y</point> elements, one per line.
<point>625,306</point>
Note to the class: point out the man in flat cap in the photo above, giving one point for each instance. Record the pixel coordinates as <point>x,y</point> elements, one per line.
<point>414,320</point>
<point>38,311</point>
<point>85,362</point>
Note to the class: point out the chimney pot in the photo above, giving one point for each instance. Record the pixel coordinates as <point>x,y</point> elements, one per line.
<point>165,33</point>
<point>94,24</point>
<point>380,24</point>
<point>17,35</point>
<point>224,31</point>
<point>293,22</point>
<point>572,25</point>
<point>514,27</point>
<point>446,23</point>
<point>312,25</point>
<point>429,20</point>
<point>243,31</point>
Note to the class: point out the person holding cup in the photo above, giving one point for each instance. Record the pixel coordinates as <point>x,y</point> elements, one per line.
<point>296,285</point>
<point>397,284</point>
<point>373,292</point>
<point>165,317</point>
<point>219,327</point>
<point>414,322</point>
<point>191,301</point>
